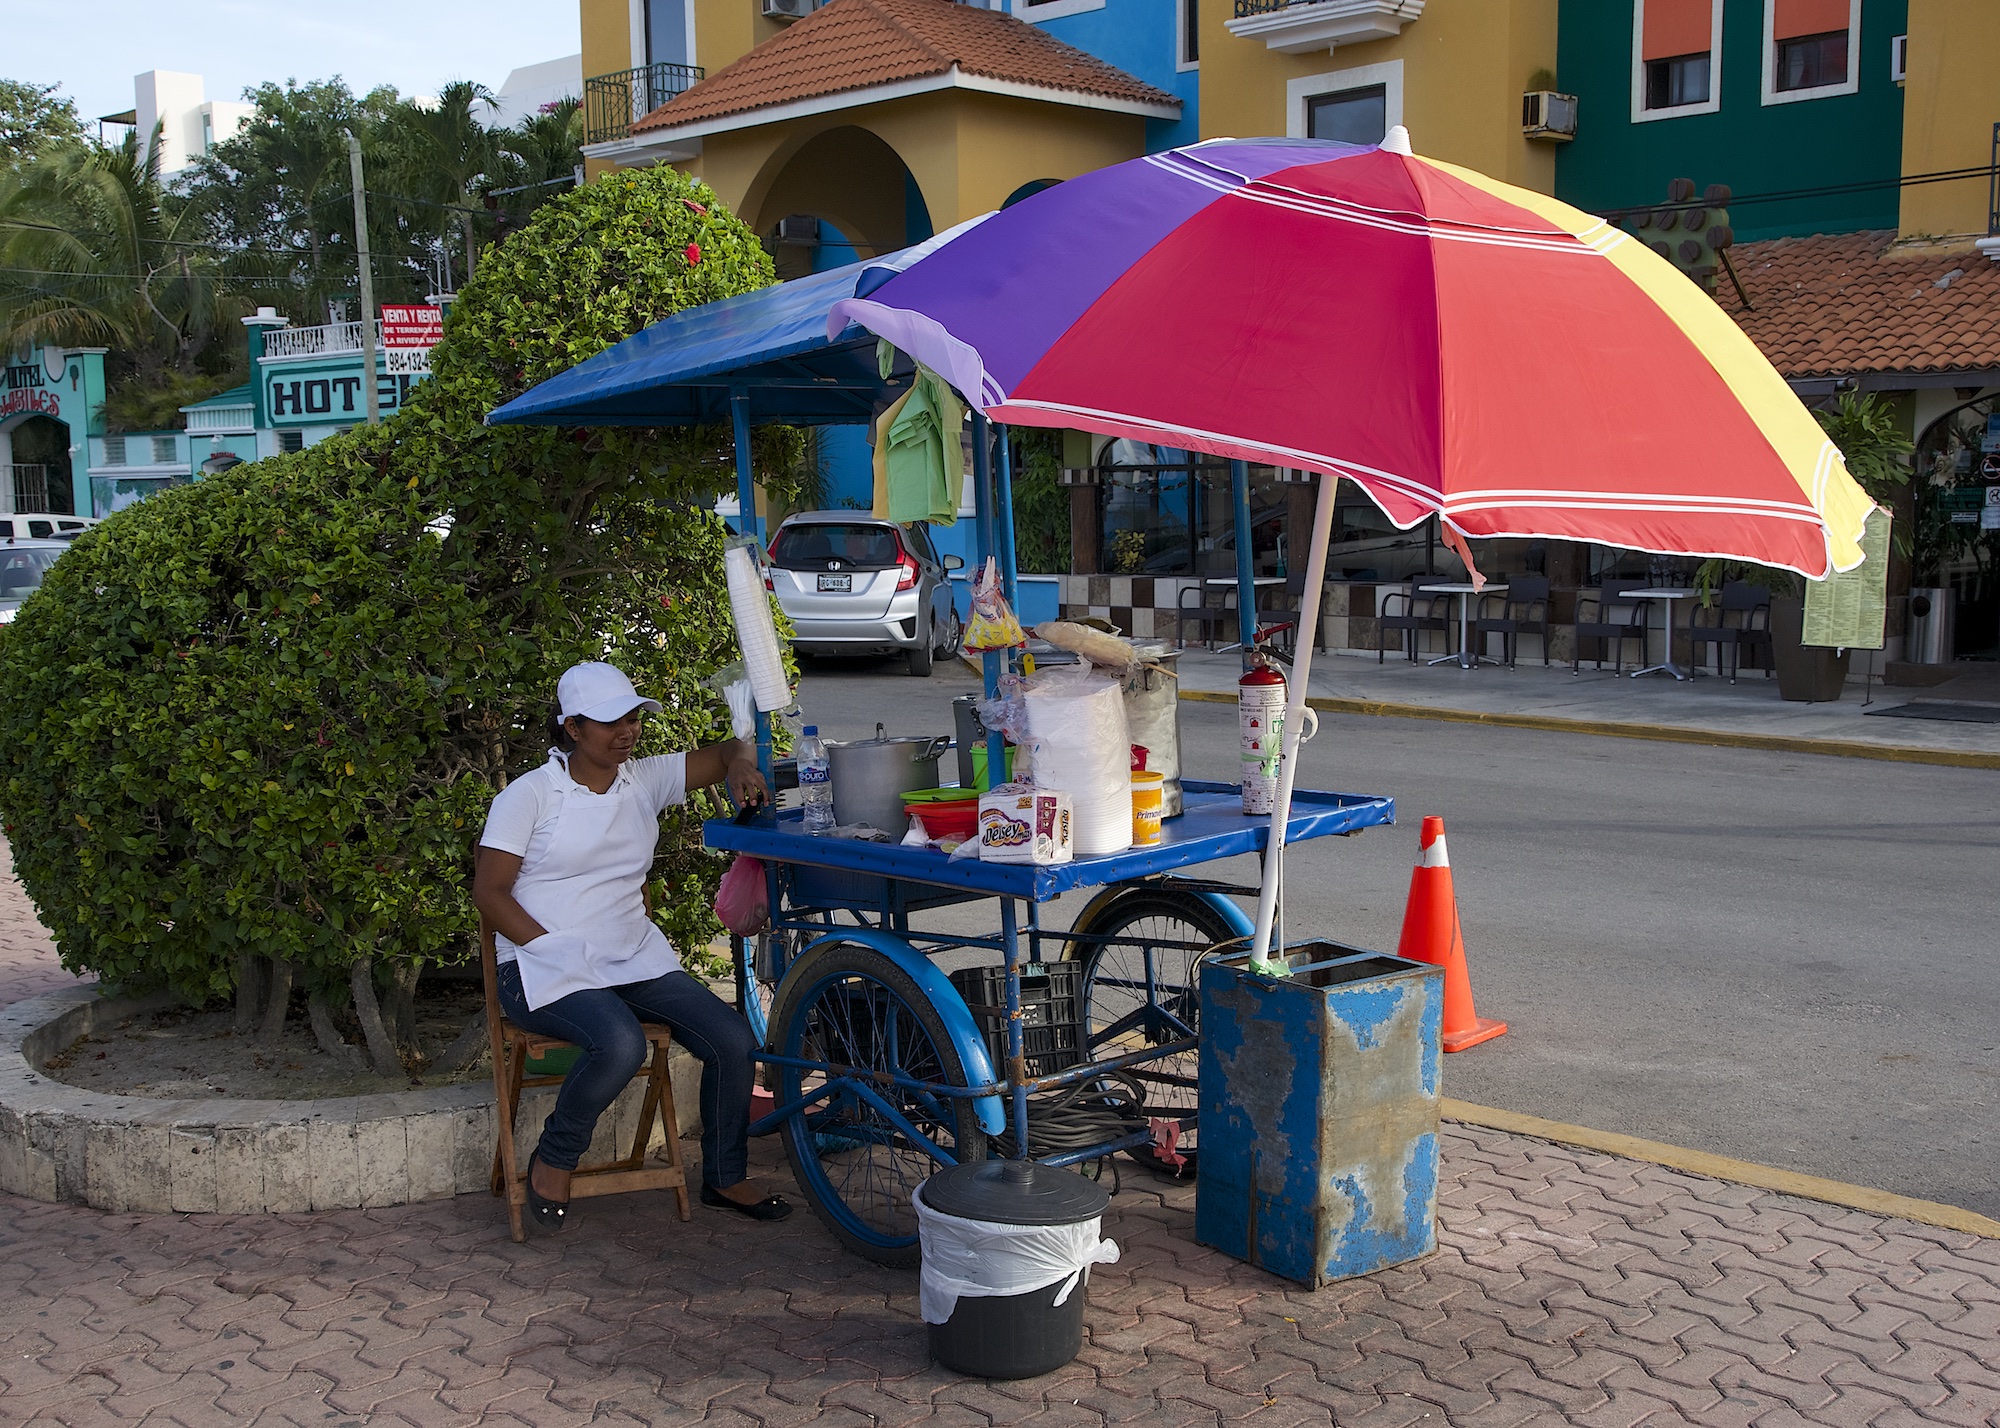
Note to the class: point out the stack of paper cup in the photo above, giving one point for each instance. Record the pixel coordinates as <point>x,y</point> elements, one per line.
<point>1077,730</point>
<point>756,633</point>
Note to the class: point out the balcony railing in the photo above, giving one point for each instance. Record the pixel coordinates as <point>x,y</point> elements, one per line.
<point>237,419</point>
<point>24,487</point>
<point>313,341</point>
<point>613,103</point>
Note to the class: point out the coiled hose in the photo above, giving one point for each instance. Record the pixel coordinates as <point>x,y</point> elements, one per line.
<point>1089,1113</point>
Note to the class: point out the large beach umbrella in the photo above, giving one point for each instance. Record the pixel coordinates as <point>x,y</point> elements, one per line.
<point>1457,346</point>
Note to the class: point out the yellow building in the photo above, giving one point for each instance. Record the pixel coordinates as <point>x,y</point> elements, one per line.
<point>1451,71</point>
<point>886,119</point>
<point>1951,102</point>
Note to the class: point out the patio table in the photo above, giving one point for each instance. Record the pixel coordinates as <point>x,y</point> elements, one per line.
<point>1466,658</point>
<point>1666,596</point>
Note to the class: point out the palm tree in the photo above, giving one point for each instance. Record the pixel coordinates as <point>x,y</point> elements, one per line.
<point>91,251</point>
<point>444,152</point>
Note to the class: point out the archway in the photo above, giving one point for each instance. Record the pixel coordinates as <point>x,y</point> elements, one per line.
<point>37,462</point>
<point>847,178</point>
<point>1029,190</point>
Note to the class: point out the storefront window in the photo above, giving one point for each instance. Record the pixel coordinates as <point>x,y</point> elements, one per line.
<point>1955,538</point>
<point>1163,511</point>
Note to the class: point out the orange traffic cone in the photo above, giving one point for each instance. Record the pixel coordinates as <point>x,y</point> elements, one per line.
<point>1431,934</point>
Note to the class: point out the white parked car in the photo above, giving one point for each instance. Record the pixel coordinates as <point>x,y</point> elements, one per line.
<point>23,563</point>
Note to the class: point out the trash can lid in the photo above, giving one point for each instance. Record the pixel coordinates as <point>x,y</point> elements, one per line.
<point>1015,1192</point>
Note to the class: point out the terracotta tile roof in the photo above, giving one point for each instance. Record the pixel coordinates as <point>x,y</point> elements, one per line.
<point>857,44</point>
<point>1845,303</point>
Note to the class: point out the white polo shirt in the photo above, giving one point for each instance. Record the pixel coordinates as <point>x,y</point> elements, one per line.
<point>584,860</point>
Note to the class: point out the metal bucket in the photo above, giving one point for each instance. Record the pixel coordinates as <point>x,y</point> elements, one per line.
<point>870,776</point>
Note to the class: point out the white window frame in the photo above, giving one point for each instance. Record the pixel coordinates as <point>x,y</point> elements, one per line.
<point>1183,65</point>
<point>1899,59</point>
<point>1301,91</point>
<point>1051,9</point>
<point>1713,104</point>
<point>1850,85</point>
<point>636,12</point>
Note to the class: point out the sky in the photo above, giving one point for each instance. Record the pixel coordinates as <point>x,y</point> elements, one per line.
<point>93,48</point>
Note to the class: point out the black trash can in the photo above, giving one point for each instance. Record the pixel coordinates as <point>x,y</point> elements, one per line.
<point>978,1225</point>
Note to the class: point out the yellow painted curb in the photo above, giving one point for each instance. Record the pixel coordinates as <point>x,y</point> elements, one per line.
<point>1663,733</point>
<point>1721,1167</point>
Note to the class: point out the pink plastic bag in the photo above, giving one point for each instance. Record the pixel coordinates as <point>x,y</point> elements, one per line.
<point>741,902</point>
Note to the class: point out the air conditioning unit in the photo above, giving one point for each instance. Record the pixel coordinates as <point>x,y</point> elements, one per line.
<point>1548,115</point>
<point>788,9</point>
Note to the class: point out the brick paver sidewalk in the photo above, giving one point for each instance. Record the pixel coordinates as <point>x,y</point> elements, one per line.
<point>1569,1286</point>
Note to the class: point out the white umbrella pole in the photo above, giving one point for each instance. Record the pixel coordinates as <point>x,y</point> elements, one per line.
<point>1295,708</point>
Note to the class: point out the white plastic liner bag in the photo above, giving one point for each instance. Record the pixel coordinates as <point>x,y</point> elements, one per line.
<point>978,1259</point>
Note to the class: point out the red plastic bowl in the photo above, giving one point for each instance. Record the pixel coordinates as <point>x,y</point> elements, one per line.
<point>957,819</point>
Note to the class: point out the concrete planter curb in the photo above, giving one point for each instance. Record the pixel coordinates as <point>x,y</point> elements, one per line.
<point>130,1152</point>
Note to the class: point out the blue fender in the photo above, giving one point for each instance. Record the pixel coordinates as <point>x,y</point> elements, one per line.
<point>944,998</point>
<point>1238,920</point>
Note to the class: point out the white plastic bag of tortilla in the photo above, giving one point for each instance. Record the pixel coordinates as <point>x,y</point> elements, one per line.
<point>979,1259</point>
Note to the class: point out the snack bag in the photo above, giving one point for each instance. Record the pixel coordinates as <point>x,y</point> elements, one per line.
<point>992,626</point>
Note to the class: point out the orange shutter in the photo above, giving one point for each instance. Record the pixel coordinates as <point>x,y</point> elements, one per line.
<point>1677,27</point>
<point>1793,18</point>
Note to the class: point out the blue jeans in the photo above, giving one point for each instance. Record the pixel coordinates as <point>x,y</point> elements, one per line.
<point>603,1024</point>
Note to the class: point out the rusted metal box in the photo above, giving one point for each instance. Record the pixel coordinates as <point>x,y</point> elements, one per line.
<point>1319,1112</point>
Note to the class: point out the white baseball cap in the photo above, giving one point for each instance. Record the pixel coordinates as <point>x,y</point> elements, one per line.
<point>599,691</point>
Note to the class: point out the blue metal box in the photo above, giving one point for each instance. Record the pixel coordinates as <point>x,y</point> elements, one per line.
<point>1319,1112</point>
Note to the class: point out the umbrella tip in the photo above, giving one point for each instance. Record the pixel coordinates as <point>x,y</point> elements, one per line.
<point>1397,141</point>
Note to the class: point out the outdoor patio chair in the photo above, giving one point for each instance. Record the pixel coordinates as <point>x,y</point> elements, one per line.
<point>1616,620</point>
<point>1524,606</point>
<point>512,1049</point>
<point>1421,611</point>
<point>1201,615</point>
<point>1740,618</point>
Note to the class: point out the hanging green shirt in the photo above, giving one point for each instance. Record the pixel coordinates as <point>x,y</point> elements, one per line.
<point>924,466</point>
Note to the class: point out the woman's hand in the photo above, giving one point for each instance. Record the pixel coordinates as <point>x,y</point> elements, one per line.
<point>733,764</point>
<point>745,782</point>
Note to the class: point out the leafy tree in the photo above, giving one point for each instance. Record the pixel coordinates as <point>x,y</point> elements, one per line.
<point>91,251</point>
<point>249,727</point>
<point>445,155</point>
<point>33,115</point>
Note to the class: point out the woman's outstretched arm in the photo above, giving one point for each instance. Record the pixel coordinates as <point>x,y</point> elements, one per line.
<point>733,761</point>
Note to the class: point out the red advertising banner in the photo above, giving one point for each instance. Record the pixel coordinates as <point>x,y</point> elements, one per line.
<point>412,327</point>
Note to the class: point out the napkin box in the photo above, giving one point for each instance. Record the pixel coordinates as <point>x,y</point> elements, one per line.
<point>1026,825</point>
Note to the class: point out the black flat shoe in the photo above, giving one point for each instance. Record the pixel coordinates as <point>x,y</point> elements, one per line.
<point>549,1214</point>
<point>771,1207</point>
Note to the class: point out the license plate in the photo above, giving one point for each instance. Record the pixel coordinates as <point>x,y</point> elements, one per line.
<point>837,584</point>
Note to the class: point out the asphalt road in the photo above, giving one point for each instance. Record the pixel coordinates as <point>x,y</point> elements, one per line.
<point>1790,959</point>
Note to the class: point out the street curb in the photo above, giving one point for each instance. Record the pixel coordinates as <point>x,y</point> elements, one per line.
<point>1662,733</point>
<point>1722,1167</point>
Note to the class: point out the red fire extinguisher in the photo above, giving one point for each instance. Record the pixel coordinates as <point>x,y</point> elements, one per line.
<point>1260,721</point>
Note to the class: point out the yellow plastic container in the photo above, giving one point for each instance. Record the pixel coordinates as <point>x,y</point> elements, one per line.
<point>1148,790</point>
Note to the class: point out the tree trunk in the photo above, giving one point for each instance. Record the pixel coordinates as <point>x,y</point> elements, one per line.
<point>329,1037</point>
<point>381,1050</point>
<point>280,1002</point>
<point>464,1049</point>
<point>465,220</point>
<point>402,1016</point>
<point>249,992</point>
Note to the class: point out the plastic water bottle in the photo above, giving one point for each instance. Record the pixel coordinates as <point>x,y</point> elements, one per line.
<point>816,782</point>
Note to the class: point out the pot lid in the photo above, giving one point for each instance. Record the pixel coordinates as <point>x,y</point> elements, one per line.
<point>1015,1192</point>
<point>882,738</point>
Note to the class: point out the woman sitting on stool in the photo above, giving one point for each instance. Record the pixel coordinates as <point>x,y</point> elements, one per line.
<point>561,880</point>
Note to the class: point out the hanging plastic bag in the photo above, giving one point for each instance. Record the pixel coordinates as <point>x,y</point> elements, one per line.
<point>992,626</point>
<point>742,902</point>
<point>734,686</point>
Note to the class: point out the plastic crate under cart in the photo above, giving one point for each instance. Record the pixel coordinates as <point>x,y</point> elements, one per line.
<point>1051,1013</point>
<point>1319,1112</point>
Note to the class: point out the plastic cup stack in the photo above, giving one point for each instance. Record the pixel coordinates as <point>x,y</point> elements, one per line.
<point>756,632</point>
<point>1080,744</point>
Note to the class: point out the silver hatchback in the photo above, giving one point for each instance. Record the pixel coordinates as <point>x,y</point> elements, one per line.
<point>852,585</point>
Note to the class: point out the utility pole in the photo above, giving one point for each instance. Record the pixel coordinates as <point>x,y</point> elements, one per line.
<point>373,397</point>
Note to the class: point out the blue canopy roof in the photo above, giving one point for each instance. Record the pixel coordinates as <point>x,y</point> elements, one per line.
<point>772,344</point>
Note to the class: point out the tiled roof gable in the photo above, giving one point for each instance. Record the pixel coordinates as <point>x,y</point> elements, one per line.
<point>1842,304</point>
<point>859,44</point>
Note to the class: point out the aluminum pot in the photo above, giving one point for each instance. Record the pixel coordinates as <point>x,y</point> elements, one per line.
<point>870,776</point>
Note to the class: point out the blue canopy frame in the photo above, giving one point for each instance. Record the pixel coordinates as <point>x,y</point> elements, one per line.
<point>765,356</point>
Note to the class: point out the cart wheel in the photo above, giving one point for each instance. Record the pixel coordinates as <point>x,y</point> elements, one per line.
<point>849,1006</point>
<point>1125,1010</point>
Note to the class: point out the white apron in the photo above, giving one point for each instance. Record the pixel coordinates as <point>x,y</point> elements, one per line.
<point>590,888</point>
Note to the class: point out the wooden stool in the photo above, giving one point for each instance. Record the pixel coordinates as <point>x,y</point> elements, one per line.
<point>512,1048</point>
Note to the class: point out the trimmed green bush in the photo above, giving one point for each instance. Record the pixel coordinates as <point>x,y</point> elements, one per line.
<point>251,726</point>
